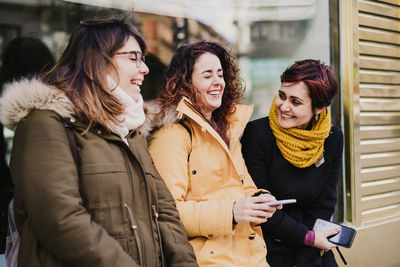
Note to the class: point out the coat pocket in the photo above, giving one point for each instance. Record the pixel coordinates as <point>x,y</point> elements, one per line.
<point>111,216</point>
<point>205,179</point>
<point>99,168</point>
<point>104,185</point>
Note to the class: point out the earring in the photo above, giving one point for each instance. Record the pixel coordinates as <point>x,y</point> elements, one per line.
<point>316,117</point>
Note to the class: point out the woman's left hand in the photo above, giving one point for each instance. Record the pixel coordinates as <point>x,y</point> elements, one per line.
<point>253,209</point>
<point>322,242</point>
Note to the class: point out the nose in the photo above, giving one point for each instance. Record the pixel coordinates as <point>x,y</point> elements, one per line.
<point>218,81</point>
<point>143,68</point>
<point>284,106</point>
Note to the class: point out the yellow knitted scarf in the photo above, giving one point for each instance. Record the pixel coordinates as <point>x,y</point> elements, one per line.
<point>301,147</point>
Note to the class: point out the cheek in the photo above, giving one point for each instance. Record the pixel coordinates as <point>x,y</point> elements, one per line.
<point>305,114</point>
<point>202,87</point>
<point>277,102</point>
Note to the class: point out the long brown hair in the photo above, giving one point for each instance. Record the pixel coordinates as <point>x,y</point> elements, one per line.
<point>177,82</point>
<point>81,72</point>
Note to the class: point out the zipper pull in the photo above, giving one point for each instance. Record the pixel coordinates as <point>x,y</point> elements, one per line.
<point>155,211</point>
<point>159,235</point>
<point>135,231</point>
<point>133,226</point>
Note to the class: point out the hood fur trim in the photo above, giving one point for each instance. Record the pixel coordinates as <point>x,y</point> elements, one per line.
<point>21,97</point>
<point>154,119</point>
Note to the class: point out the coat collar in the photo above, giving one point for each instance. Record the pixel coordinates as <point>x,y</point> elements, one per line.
<point>237,120</point>
<point>19,98</point>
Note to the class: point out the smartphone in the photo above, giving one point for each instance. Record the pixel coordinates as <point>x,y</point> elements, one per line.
<point>280,202</point>
<point>344,238</point>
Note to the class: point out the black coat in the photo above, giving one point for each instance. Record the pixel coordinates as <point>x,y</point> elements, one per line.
<point>315,189</point>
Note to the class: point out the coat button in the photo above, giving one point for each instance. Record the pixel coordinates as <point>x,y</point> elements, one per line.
<point>72,120</point>
<point>98,132</point>
<point>210,236</point>
<point>252,236</point>
<point>194,172</point>
<point>211,252</point>
<point>242,181</point>
<point>321,253</point>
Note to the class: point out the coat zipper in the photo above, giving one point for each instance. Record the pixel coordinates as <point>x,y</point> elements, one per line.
<point>159,234</point>
<point>134,226</point>
<point>156,220</point>
<point>134,229</point>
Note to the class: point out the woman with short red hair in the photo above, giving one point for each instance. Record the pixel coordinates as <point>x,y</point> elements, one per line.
<point>295,152</point>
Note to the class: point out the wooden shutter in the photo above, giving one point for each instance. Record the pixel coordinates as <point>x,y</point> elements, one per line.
<point>379,109</point>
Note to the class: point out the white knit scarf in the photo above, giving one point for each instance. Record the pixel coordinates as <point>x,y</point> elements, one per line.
<point>134,114</point>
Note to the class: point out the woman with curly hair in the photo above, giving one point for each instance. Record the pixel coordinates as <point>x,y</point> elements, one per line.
<point>197,152</point>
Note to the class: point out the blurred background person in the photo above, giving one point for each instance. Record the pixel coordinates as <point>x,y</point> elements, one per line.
<point>296,152</point>
<point>23,57</point>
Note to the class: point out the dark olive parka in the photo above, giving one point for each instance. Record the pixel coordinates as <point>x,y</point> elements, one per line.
<point>110,210</point>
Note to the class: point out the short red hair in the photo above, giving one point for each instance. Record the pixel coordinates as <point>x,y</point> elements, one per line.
<point>319,78</point>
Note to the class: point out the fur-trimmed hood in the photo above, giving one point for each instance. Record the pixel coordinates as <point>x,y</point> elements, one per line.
<point>21,97</point>
<point>155,120</point>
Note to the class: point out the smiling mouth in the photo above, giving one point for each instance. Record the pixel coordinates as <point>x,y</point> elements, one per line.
<point>215,92</point>
<point>286,116</point>
<point>138,83</point>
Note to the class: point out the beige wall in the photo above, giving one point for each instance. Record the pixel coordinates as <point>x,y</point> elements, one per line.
<point>374,246</point>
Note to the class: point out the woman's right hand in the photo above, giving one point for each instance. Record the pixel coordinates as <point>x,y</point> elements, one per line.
<point>321,240</point>
<point>253,209</point>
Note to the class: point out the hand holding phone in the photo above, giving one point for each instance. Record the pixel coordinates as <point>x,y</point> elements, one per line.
<point>253,210</point>
<point>344,238</point>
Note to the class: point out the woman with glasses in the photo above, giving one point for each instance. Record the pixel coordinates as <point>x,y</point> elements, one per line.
<point>86,190</point>
<point>197,152</point>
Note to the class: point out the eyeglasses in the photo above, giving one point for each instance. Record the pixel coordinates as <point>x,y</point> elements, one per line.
<point>138,56</point>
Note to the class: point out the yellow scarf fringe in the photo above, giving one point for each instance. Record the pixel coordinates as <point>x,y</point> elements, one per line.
<point>301,147</point>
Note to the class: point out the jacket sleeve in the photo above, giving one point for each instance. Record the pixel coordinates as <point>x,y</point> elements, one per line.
<point>249,186</point>
<point>255,148</point>
<point>176,246</point>
<point>169,148</point>
<point>47,181</point>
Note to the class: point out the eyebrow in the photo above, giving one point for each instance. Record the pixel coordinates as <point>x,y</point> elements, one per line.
<point>293,97</point>
<point>219,70</point>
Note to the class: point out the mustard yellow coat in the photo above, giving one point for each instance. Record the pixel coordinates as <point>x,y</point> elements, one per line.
<point>206,177</point>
